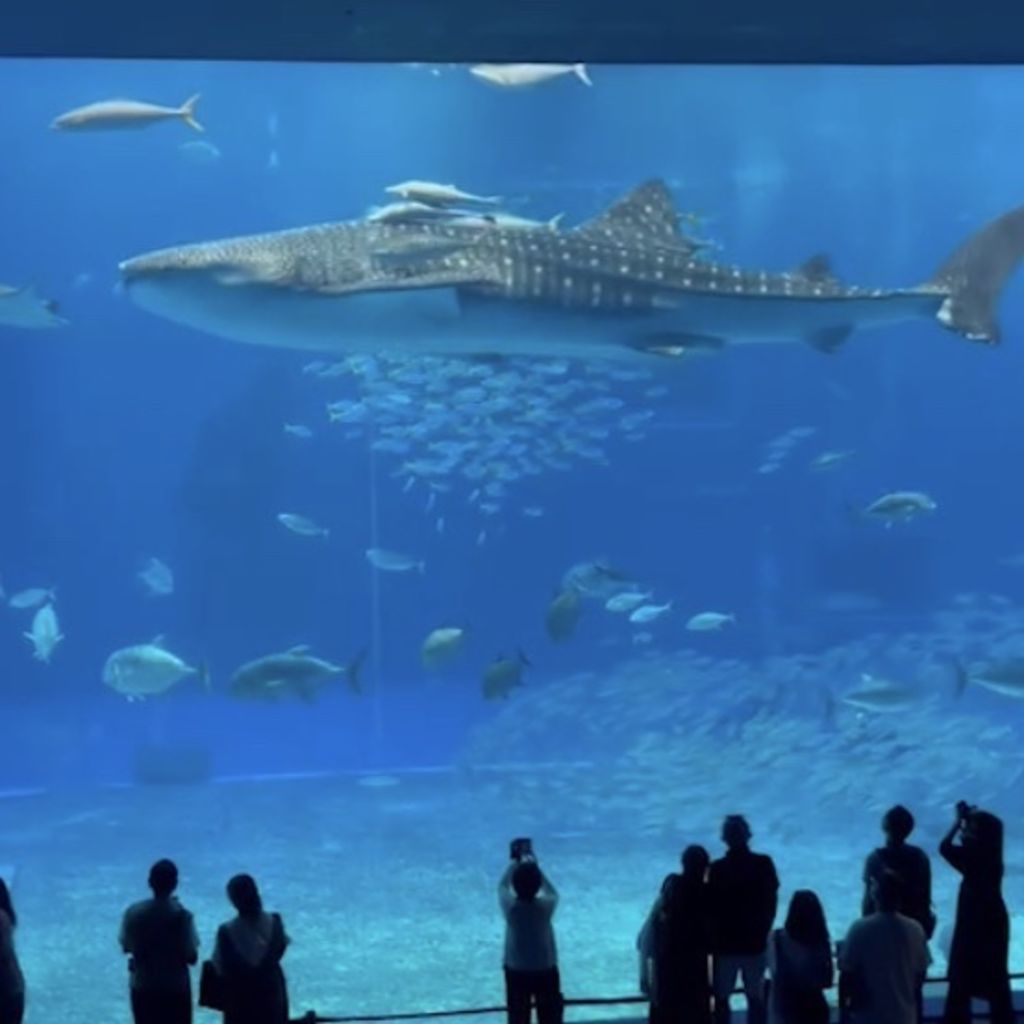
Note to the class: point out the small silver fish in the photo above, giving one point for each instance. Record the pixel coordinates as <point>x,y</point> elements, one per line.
<point>301,525</point>
<point>650,612</point>
<point>393,561</point>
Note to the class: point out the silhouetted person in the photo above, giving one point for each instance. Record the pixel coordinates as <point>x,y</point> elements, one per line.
<point>981,936</point>
<point>882,961</point>
<point>12,982</point>
<point>528,901</point>
<point>909,863</point>
<point>159,936</point>
<point>247,954</point>
<point>800,963</point>
<point>675,945</point>
<point>744,891</point>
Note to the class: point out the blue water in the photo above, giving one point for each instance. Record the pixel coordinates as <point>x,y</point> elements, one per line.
<point>126,436</point>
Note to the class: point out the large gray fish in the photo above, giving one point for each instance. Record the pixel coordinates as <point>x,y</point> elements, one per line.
<point>628,282</point>
<point>295,672</point>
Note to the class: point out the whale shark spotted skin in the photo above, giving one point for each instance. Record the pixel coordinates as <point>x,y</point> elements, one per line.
<point>628,283</point>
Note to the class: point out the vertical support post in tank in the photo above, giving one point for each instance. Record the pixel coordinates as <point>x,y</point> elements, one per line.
<point>375,630</point>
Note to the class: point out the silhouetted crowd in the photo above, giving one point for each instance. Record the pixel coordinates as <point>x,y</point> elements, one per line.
<point>710,926</point>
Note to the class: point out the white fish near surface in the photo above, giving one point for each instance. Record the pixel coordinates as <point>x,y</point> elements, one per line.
<point>302,525</point>
<point>706,621</point>
<point>33,597</point>
<point>394,561</point>
<point>628,600</point>
<point>145,670</point>
<point>45,634</point>
<point>157,578</point>
<point>298,430</point>
<point>650,612</point>
<point>21,307</point>
<point>434,194</point>
<point>521,76</point>
<point>117,115</point>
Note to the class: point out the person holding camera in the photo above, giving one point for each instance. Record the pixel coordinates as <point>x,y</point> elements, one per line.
<point>528,901</point>
<point>979,953</point>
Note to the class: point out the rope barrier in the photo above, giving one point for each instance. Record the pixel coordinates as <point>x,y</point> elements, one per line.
<point>479,1011</point>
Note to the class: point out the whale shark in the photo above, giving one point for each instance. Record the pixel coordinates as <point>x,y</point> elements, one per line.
<point>627,284</point>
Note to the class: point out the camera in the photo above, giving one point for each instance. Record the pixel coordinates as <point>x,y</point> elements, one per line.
<point>520,848</point>
<point>964,810</point>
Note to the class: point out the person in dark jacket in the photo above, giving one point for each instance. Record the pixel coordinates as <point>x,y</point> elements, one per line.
<point>744,892</point>
<point>675,946</point>
<point>909,863</point>
<point>247,954</point>
<point>800,963</point>
<point>12,982</point>
<point>159,936</point>
<point>979,954</point>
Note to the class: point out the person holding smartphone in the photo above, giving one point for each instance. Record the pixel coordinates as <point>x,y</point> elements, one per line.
<point>528,901</point>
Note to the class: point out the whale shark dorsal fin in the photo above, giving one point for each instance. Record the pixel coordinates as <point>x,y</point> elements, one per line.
<point>645,214</point>
<point>300,649</point>
<point>818,268</point>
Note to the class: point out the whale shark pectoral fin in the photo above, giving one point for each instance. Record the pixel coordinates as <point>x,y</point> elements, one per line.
<point>829,339</point>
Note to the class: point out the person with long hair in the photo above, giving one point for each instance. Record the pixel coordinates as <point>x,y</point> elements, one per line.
<point>247,955</point>
<point>12,982</point>
<point>979,953</point>
<point>800,963</point>
<point>675,944</point>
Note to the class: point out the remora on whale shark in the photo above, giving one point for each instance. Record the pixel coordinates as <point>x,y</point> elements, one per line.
<point>627,282</point>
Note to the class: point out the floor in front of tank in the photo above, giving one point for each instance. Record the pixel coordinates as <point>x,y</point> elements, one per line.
<point>386,884</point>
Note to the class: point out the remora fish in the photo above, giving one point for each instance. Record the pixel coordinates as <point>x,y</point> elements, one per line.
<point>627,283</point>
<point>110,115</point>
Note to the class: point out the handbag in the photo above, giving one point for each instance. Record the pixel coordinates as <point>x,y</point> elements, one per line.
<point>211,987</point>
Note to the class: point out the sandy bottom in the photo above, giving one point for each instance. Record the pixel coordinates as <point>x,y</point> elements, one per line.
<point>386,884</point>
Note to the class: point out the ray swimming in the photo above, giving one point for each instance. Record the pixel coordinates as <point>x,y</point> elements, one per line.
<point>627,283</point>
